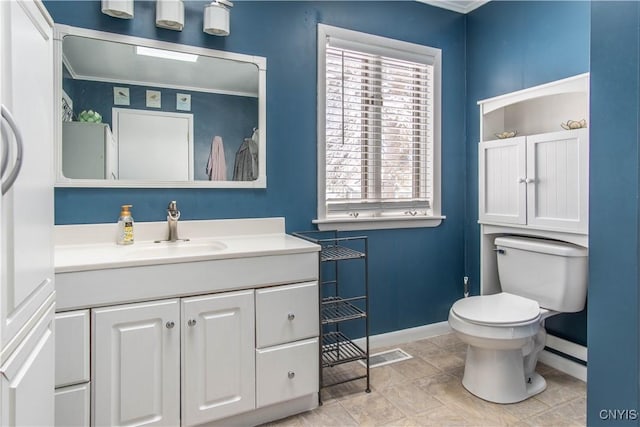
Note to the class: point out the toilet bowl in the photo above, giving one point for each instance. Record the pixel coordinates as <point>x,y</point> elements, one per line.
<point>504,332</point>
<point>504,335</point>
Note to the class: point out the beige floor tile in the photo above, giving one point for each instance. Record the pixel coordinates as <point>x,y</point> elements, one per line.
<point>411,399</point>
<point>446,341</point>
<point>575,410</point>
<point>527,408</point>
<point>552,419</point>
<point>481,411</point>
<point>414,368</point>
<point>446,416</point>
<point>371,409</point>
<point>293,421</point>
<point>446,362</point>
<point>561,388</point>
<point>328,415</point>
<point>343,391</point>
<point>423,348</point>
<point>439,385</point>
<point>385,376</point>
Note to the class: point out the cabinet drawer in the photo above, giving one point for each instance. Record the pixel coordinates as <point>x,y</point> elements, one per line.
<point>72,347</point>
<point>286,313</point>
<point>286,372</point>
<point>72,406</point>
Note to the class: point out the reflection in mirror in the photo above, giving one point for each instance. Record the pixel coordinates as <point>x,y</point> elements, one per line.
<point>145,113</point>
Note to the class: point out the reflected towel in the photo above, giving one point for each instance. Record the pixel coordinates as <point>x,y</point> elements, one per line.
<point>216,165</point>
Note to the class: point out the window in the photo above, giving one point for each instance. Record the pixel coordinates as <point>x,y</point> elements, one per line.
<point>378,132</point>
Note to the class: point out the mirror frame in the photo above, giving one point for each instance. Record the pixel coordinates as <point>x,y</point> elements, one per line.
<point>60,31</point>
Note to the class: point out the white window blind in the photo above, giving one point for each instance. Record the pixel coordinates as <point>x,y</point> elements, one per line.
<point>379,130</point>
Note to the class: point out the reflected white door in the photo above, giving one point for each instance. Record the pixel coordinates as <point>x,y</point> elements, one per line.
<point>154,145</point>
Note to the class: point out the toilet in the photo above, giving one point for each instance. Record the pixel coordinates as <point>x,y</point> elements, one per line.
<point>504,332</point>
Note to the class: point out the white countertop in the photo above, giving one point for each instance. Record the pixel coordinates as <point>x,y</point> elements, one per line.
<point>92,246</point>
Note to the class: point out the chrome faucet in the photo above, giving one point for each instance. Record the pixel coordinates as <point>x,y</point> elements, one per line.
<point>173,215</point>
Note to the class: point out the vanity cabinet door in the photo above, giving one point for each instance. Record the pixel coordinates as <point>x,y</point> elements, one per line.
<point>136,364</point>
<point>218,357</point>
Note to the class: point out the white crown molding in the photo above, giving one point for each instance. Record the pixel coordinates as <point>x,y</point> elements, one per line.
<point>460,6</point>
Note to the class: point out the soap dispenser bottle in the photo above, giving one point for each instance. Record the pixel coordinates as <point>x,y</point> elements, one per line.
<point>125,226</point>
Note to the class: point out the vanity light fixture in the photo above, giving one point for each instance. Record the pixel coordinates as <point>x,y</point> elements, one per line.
<point>216,18</point>
<point>166,54</point>
<point>118,8</point>
<point>170,14</point>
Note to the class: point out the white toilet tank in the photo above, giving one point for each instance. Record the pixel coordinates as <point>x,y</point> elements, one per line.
<point>551,272</point>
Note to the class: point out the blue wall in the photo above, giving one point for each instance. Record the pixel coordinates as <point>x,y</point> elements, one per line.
<point>416,274</point>
<point>614,212</point>
<point>231,117</point>
<point>513,46</point>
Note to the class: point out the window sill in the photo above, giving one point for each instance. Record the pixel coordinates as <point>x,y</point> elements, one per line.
<point>380,223</point>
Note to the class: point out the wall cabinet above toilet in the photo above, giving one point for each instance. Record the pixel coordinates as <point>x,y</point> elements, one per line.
<point>539,181</point>
<point>537,176</point>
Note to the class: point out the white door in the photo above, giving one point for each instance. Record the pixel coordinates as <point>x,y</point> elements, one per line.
<point>136,364</point>
<point>502,181</point>
<point>26,379</point>
<point>218,351</point>
<point>558,180</point>
<point>27,208</point>
<point>154,146</point>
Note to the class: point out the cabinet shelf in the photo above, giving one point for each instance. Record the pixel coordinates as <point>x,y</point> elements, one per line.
<point>337,253</point>
<point>337,309</point>
<point>338,349</point>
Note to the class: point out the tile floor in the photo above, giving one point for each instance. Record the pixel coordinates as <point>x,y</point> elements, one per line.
<point>427,391</point>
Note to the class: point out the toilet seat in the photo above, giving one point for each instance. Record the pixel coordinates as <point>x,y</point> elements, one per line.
<point>498,310</point>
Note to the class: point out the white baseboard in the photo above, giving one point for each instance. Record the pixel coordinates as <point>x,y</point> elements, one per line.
<point>558,362</point>
<point>406,335</point>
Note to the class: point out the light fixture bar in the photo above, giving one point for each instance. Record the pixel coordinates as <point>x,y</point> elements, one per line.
<point>166,54</point>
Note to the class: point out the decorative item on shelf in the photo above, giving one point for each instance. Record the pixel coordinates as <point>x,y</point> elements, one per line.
<point>122,9</point>
<point>216,18</point>
<point>574,124</point>
<point>506,134</point>
<point>170,14</point>
<point>90,116</point>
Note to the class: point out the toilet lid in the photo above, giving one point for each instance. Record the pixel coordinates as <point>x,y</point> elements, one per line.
<point>502,308</point>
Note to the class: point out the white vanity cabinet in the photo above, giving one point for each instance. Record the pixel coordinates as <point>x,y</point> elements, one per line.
<point>191,336</point>
<point>538,180</point>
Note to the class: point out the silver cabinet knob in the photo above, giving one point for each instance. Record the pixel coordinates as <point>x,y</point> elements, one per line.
<point>291,316</point>
<point>191,322</point>
<point>170,324</point>
<point>291,374</point>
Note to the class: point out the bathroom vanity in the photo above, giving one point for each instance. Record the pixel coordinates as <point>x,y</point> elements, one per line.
<point>218,330</point>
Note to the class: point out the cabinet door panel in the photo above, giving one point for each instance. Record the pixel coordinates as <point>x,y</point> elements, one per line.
<point>27,208</point>
<point>218,367</point>
<point>27,379</point>
<point>136,364</point>
<point>502,170</point>
<point>557,165</point>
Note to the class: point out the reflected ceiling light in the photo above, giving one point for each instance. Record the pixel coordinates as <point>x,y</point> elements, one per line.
<point>170,14</point>
<point>118,8</point>
<point>216,18</point>
<point>166,54</point>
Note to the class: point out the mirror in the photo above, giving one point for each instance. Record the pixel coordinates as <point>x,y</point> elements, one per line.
<point>144,113</point>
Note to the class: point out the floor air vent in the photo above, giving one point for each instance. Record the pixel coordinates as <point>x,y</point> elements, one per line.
<point>386,357</point>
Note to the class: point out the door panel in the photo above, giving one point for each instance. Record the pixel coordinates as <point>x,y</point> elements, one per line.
<point>218,377</point>
<point>136,364</point>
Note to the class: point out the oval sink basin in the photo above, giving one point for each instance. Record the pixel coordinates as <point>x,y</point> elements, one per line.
<point>181,248</point>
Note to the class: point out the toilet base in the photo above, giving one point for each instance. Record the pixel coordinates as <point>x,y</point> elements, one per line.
<point>498,375</point>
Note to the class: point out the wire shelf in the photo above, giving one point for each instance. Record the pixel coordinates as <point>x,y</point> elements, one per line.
<point>336,253</point>
<point>337,309</point>
<point>338,349</point>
